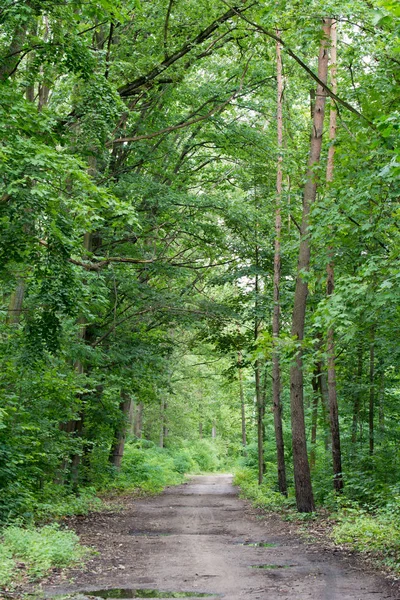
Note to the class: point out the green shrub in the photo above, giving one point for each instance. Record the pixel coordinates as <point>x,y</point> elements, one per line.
<point>147,468</point>
<point>183,462</point>
<point>261,496</point>
<point>205,455</point>
<point>39,550</point>
<point>7,565</point>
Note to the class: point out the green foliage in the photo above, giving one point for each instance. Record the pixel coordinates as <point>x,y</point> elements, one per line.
<point>205,455</point>
<point>147,468</point>
<point>39,550</point>
<point>377,533</point>
<point>261,496</point>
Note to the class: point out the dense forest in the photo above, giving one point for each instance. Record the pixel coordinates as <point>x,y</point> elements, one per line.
<point>200,237</point>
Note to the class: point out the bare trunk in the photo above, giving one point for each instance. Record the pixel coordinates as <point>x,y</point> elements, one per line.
<point>314,419</point>
<point>276,371</point>
<point>12,56</point>
<point>118,445</point>
<point>16,303</point>
<point>382,402</point>
<point>163,427</point>
<point>214,431</point>
<point>242,403</point>
<point>371,392</point>
<point>138,421</point>
<point>302,477</point>
<point>257,374</point>
<point>330,286</point>
<point>260,420</point>
<point>357,395</point>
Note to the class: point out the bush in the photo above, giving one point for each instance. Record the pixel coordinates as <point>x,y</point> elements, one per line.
<point>377,532</point>
<point>39,550</point>
<point>261,496</point>
<point>149,469</point>
<point>205,455</point>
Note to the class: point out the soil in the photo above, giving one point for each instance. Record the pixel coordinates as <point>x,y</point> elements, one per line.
<point>200,538</point>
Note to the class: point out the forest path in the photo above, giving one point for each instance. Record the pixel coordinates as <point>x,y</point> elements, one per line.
<point>192,538</point>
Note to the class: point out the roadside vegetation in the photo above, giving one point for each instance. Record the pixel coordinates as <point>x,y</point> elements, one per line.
<point>370,530</point>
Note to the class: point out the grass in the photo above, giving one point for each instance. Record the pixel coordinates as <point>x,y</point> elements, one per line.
<point>32,552</point>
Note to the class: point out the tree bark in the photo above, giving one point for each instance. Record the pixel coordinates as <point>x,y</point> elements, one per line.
<point>12,56</point>
<point>260,420</point>
<point>276,370</point>
<point>302,477</point>
<point>138,421</point>
<point>371,392</point>
<point>242,404</point>
<point>314,419</point>
<point>357,395</point>
<point>163,427</point>
<point>118,445</point>
<point>330,286</point>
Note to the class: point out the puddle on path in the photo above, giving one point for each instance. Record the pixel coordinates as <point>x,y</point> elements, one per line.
<point>256,544</point>
<point>270,566</point>
<point>123,593</point>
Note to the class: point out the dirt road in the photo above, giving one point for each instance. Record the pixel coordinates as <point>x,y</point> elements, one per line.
<point>200,538</point>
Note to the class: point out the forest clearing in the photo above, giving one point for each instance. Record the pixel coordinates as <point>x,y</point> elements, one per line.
<point>200,241</point>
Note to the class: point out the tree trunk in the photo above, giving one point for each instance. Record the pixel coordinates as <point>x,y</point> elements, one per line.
<point>302,477</point>
<point>163,427</point>
<point>314,419</point>
<point>138,421</point>
<point>242,404</point>
<point>16,303</point>
<point>12,55</point>
<point>382,402</point>
<point>357,395</point>
<point>260,420</point>
<point>276,371</point>
<point>371,392</point>
<point>330,286</point>
<point>118,445</point>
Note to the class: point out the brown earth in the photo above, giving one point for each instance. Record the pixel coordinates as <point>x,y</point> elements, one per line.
<point>193,537</point>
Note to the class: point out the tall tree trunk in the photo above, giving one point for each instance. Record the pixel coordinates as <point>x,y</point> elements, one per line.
<point>330,286</point>
<point>16,303</point>
<point>118,445</point>
<point>371,392</point>
<point>357,395</point>
<point>260,420</point>
<point>259,392</point>
<point>138,421</point>
<point>12,55</point>
<point>314,418</point>
<point>276,371</point>
<point>302,477</point>
<point>382,401</point>
<point>242,403</point>
<point>163,427</point>
<point>323,389</point>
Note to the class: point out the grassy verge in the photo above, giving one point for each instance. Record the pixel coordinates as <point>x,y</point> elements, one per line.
<point>30,553</point>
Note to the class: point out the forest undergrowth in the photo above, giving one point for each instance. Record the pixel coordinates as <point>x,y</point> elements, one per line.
<point>36,539</point>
